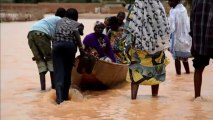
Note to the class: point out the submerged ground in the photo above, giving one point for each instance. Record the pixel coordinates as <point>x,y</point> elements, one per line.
<point>21,98</point>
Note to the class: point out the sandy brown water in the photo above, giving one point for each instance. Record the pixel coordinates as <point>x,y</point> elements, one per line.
<point>21,98</point>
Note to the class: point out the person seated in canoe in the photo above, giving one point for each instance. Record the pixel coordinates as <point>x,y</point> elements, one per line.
<point>116,41</point>
<point>98,45</point>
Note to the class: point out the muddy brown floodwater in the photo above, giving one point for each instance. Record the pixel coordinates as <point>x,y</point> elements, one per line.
<point>21,98</point>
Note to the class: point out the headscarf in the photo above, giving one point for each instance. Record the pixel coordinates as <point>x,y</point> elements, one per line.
<point>150,26</point>
<point>97,23</point>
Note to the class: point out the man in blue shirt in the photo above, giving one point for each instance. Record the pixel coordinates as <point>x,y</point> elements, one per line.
<point>39,40</point>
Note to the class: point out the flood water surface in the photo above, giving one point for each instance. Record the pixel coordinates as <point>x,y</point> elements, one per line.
<point>21,98</point>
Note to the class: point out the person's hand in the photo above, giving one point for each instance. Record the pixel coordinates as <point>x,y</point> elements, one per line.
<point>82,52</point>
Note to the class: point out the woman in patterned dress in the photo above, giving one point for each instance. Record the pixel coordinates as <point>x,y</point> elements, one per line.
<point>147,38</point>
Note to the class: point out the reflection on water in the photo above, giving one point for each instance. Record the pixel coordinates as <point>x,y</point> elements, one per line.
<point>21,98</point>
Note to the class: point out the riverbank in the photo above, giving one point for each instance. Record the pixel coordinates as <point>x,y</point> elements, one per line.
<point>20,17</point>
<point>29,12</point>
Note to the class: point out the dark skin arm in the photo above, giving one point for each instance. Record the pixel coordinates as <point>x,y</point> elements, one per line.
<point>78,39</point>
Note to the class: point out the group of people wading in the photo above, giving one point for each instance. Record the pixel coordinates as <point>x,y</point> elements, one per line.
<point>140,42</point>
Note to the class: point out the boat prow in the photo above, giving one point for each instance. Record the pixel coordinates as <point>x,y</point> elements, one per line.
<point>104,74</point>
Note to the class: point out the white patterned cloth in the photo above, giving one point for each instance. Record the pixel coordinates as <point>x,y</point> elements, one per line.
<point>150,26</point>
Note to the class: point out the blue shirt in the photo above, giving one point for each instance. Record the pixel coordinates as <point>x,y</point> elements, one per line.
<point>46,25</point>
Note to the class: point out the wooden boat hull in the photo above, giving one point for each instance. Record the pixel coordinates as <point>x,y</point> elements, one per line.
<point>103,74</point>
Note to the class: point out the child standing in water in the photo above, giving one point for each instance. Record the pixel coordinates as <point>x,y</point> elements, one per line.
<point>181,41</point>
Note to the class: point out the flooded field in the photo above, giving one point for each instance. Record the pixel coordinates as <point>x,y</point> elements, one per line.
<point>21,98</point>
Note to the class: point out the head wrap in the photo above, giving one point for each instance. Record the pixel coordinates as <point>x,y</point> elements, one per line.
<point>98,23</point>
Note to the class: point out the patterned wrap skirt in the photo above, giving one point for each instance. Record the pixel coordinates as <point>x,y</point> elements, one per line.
<point>146,69</point>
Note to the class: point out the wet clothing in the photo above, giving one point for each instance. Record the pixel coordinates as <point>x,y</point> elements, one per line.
<point>39,41</point>
<point>202,32</point>
<point>64,51</point>
<point>180,28</point>
<point>102,46</point>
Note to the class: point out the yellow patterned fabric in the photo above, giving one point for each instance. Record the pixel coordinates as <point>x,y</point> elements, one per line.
<point>117,44</point>
<point>146,69</point>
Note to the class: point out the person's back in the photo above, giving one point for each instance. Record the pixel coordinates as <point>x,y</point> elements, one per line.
<point>46,25</point>
<point>180,25</point>
<point>65,29</point>
<point>181,40</point>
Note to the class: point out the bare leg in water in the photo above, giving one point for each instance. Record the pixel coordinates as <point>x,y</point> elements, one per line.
<point>177,66</point>
<point>186,65</point>
<point>42,80</point>
<point>134,90</point>
<point>198,81</point>
<point>155,90</point>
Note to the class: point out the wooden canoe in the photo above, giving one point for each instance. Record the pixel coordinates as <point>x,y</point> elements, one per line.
<point>104,75</point>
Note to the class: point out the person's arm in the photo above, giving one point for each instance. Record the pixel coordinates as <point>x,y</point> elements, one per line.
<point>78,40</point>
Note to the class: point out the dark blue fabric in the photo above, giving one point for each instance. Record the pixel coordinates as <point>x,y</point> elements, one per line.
<point>63,60</point>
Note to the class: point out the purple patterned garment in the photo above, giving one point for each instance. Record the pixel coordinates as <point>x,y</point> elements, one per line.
<point>91,41</point>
